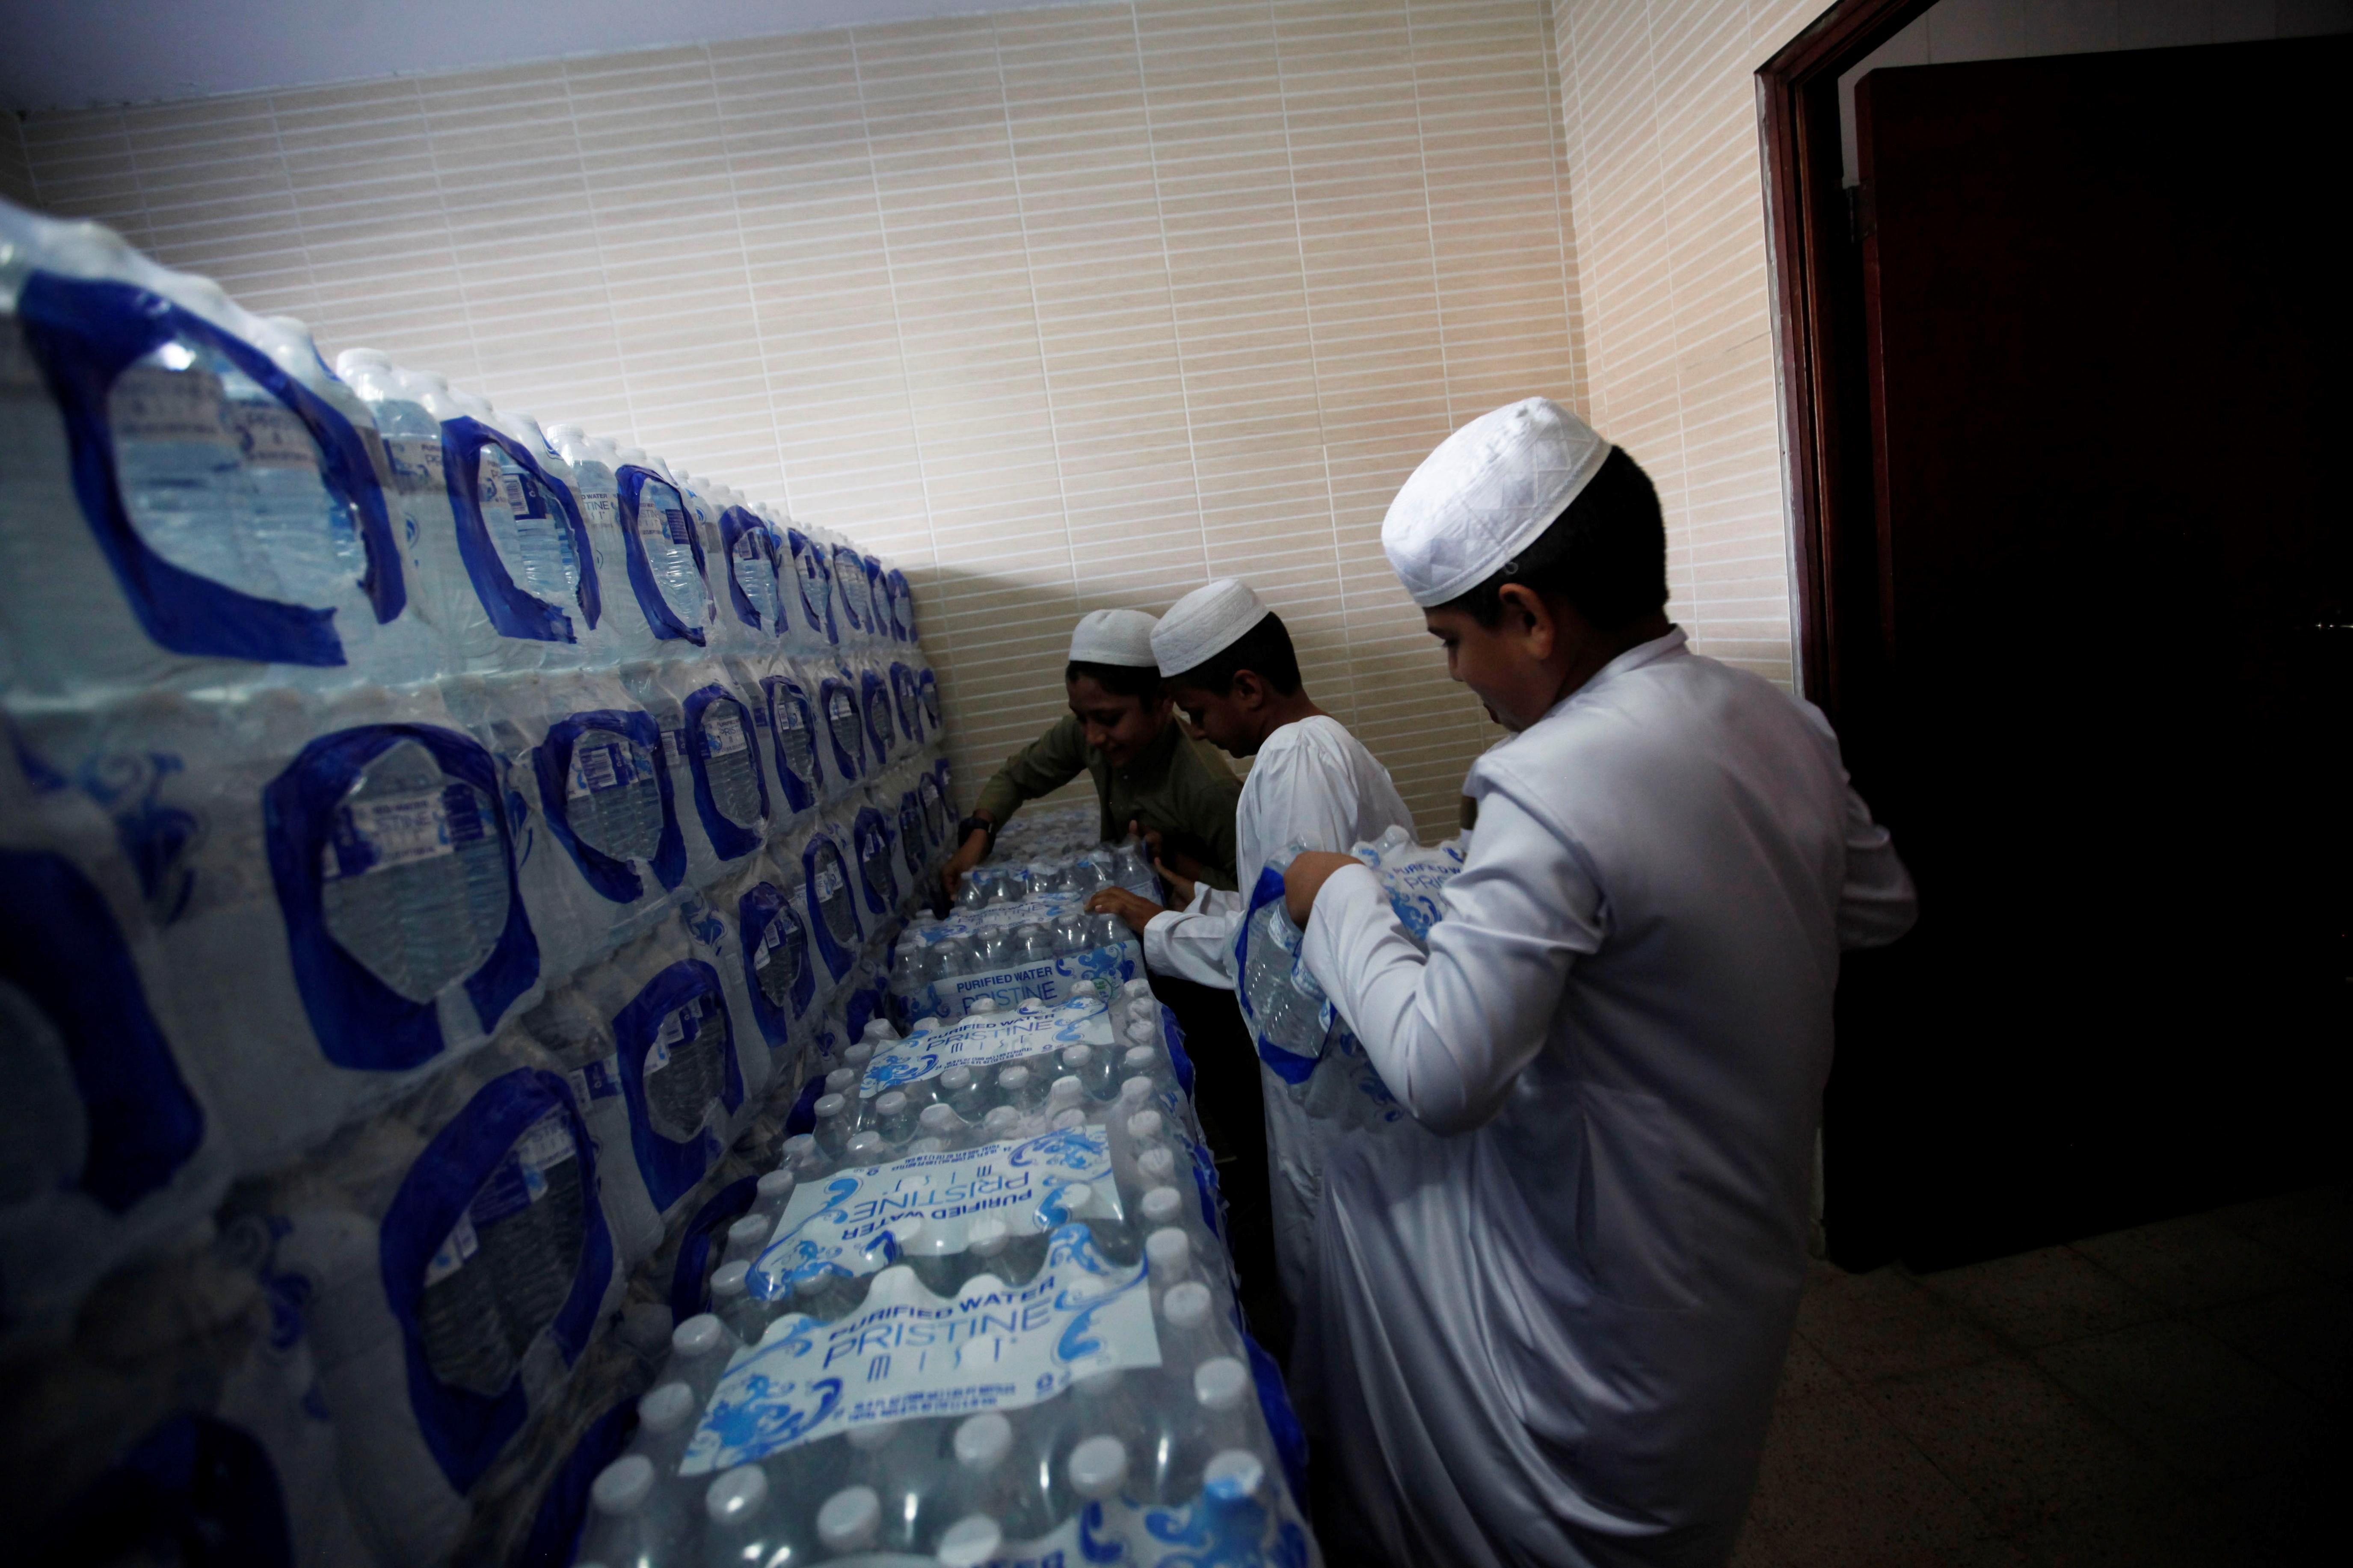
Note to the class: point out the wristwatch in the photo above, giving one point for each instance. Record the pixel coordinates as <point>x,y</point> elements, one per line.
<point>972,824</point>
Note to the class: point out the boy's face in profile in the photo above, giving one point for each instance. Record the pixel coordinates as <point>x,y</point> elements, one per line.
<point>1120,727</point>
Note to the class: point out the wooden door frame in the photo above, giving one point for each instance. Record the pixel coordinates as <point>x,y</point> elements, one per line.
<point>1816,278</point>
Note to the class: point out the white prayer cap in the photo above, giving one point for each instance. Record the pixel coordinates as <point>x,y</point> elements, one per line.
<point>1114,636</point>
<point>1487,493</point>
<point>1204,623</point>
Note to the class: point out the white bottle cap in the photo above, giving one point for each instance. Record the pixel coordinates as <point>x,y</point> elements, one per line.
<point>903,1229</point>
<point>871,1435</point>
<point>731,1281</point>
<point>665,1408</point>
<point>1002,1123</point>
<point>924,1026</point>
<point>988,1236</point>
<point>1157,1165</point>
<point>849,1518</point>
<point>956,1080</point>
<point>1013,1079</point>
<point>982,1441</point>
<point>880,1031</point>
<point>867,1147</point>
<point>737,1495</point>
<point>801,1146</point>
<point>1233,1475</point>
<point>1075,1198</point>
<point>939,1120</point>
<point>1098,1467</point>
<point>1186,1305</point>
<point>1139,986</point>
<point>841,1080</point>
<point>623,1486</point>
<point>926,1146</point>
<point>891,1102</point>
<point>1070,1120</point>
<point>1144,1124</point>
<point>1077,1058</point>
<point>1220,1381</point>
<point>1138,1087</point>
<point>859,1055</point>
<point>984,1004</point>
<point>829,1106</point>
<point>1030,1005</point>
<point>776,1186</point>
<point>1141,1033</point>
<point>1067,1091</point>
<point>752,1230</point>
<point>1170,1251</point>
<point>970,1541</point>
<point>1162,1205</point>
<point>698,1336</point>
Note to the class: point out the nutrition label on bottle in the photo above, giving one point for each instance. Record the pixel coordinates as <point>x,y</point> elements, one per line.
<point>908,1355</point>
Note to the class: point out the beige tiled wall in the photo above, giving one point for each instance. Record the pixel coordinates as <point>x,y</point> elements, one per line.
<point>15,170</point>
<point>1060,309</point>
<point>1660,107</point>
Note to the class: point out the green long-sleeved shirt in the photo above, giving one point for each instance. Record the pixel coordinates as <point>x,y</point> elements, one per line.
<point>1181,791</point>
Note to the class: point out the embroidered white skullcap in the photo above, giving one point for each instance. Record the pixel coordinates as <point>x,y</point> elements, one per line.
<point>1114,636</point>
<point>1487,493</point>
<point>1204,623</point>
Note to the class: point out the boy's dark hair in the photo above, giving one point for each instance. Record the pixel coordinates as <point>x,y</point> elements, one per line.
<point>1265,650</point>
<point>1606,553</point>
<point>1141,681</point>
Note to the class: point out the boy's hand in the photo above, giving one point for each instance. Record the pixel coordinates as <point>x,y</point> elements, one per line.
<point>967,855</point>
<point>1305,879</point>
<point>1180,885</point>
<point>1135,909</point>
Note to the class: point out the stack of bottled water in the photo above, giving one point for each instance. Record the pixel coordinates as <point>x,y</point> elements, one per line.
<point>1056,833</point>
<point>1302,1040</point>
<point>1022,932</point>
<point>986,1316</point>
<point>438,851</point>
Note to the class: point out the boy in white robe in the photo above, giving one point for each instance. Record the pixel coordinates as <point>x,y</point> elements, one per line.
<point>1550,1308</point>
<point>1228,661</point>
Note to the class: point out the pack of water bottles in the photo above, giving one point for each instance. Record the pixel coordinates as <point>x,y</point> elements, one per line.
<point>983,1314</point>
<point>1062,831</point>
<point>1301,1036</point>
<point>437,849</point>
<point>1022,932</point>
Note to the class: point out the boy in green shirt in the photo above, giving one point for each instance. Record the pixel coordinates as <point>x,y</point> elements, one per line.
<point>1149,775</point>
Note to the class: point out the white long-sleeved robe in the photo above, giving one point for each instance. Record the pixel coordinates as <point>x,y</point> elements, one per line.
<point>1311,783</point>
<point>1549,1310</point>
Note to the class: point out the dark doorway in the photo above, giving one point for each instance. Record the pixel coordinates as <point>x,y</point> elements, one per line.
<point>2076,595</point>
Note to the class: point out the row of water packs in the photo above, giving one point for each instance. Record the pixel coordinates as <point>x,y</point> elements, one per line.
<point>966,1347</point>
<point>1058,831</point>
<point>337,900</point>
<point>191,495</point>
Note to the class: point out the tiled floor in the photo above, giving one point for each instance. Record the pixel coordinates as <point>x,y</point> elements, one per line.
<point>2173,1395</point>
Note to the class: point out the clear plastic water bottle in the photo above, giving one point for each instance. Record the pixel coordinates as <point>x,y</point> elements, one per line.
<point>1092,1069</point>
<point>805,1158</point>
<point>416,883</point>
<point>665,1425</point>
<point>970,1542</point>
<point>833,1124</point>
<point>732,1302</point>
<point>699,1349</point>
<point>180,467</point>
<point>990,1480</point>
<point>746,1238</point>
<point>665,533</point>
<point>625,1527</point>
<point>742,1529</point>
